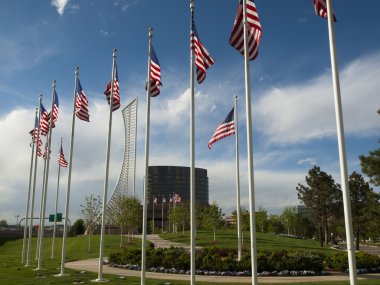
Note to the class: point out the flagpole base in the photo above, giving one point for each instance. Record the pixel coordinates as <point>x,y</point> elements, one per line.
<point>100,280</point>
<point>61,275</point>
<point>39,269</point>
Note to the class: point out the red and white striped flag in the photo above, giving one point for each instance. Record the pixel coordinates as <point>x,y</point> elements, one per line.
<point>116,95</point>
<point>225,129</point>
<point>55,108</point>
<point>61,159</point>
<point>44,122</point>
<point>155,200</point>
<point>254,30</point>
<point>81,104</point>
<point>203,60</point>
<point>321,9</point>
<point>34,131</point>
<point>155,74</point>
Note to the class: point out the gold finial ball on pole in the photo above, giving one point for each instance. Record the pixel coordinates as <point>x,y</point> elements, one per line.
<point>150,32</point>
<point>114,52</point>
<point>76,70</point>
<point>54,82</point>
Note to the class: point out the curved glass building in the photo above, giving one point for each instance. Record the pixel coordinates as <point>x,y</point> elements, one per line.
<point>166,181</point>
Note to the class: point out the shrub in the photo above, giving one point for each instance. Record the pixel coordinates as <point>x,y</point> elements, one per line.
<point>222,259</point>
<point>339,261</point>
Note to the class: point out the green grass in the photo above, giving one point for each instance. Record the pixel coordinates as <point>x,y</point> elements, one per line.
<point>228,239</point>
<point>13,272</point>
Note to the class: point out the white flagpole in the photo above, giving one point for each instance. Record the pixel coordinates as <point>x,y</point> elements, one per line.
<point>342,148</point>
<point>42,200</point>
<point>162,215</point>
<point>146,174</point>
<point>192,156</point>
<point>34,189</point>
<point>238,223</point>
<point>153,214</point>
<point>250,151</point>
<point>101,251</point>
<point>62,273</point>
<point>28,199</point>
<point>42,226</point>
<point>56,208</point>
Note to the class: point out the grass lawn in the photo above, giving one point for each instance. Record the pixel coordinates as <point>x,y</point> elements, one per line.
<point>227,238</point>
<point>13,272</point>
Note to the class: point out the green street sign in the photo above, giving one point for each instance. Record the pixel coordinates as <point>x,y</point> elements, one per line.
<point>59,217</point>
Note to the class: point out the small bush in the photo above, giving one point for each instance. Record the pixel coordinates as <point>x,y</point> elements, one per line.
<point>364,260</point>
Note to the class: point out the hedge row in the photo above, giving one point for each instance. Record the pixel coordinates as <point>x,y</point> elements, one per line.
<point>221,259</point>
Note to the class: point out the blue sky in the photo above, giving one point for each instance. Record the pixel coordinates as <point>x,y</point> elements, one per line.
<point>292,95</point>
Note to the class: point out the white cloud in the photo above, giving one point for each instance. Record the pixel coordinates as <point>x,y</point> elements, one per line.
<point>60,5</point>
<point>305,111</point>
<point>307,160</point>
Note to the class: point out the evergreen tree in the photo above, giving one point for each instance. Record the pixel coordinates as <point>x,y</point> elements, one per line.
<point>323,195</point>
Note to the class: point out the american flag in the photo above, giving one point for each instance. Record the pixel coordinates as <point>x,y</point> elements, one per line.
<point>163,200</point>
<point>44,121</point>
<point>39,151</point>
<point>34,131</point>
<point>61,159</point>
<point>177,199</point>
<point>155,74</point>
<point>81,104</point>
<point>44,155</point>
<point>321,9</point>
<point>116,95</point>
<point>254,30</point>
<point>203,60</point>
<point>225,129</point>
<point>155,200</point>
<point>55,108</point>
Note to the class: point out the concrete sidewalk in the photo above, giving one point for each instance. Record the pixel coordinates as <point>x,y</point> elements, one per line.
<point>163,243</point>
<point>92,265</point>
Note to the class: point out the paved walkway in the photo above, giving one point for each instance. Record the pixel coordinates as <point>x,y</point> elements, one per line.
<point>92,265</point>
<point>163,243</point>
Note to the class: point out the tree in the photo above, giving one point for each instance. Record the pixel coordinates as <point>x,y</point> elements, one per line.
<point>128,215</point>
<point>77,228</point>
<point>364,204</point>
<point>91,211</point>
<point>323,195</point>
<point>180,215</point>
<point>244,218</point>
<point>262,219</point>
<point>275,224</point>
<point>3,223</point>
<point>371,166</point>
<point>289,218</point>
<point>213,217</point>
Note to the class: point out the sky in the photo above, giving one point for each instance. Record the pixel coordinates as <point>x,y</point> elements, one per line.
<point>293,113</point>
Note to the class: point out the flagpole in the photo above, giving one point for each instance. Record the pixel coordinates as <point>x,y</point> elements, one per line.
<point>153,215</point>
<point>34,187</point>
<point>192,157</point>
<point>28,199</point>
<point>342,148</point>
<point>146,174</point>
<point>101,251</point>
<point>56,209</point>
<point>62,273</point>
<point>250,150</point>
<point>42,200</point>
<point>237,178</point>
<point>162,215</point>
<point>42,226</point>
